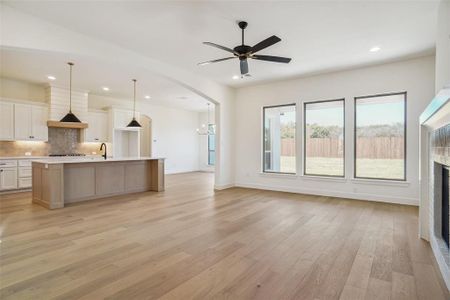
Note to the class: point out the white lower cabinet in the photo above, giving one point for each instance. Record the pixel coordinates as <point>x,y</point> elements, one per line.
<point>8,178</point>
<point>15,174</point>
<point>24,183</point>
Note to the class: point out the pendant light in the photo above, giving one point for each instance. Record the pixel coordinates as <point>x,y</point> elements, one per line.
<point>70,117</point>
<point>207,130</point>
<point>133,122</point>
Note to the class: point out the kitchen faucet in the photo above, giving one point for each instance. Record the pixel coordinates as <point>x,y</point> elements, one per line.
<point>101,148</point>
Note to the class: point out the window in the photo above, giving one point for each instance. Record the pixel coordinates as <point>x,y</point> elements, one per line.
<point>211,145</point>
<point>380,136</point>
<point>279,139</point>
<point>324,138</point>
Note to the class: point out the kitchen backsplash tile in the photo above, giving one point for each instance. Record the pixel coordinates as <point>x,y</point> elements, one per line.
<point>61,141</point>
<point>21,147</point>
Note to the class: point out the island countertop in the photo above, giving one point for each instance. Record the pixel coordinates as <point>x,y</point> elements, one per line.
<point>89,159</point>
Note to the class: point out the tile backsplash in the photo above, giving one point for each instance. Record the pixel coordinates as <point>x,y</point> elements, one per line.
<point>19,148</point>
<point>60,141</point>
<point>63,140</point>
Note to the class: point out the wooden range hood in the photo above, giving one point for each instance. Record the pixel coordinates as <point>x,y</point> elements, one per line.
<point>58,124</point>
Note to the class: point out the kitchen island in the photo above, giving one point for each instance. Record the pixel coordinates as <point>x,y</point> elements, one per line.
<point>57,182</point>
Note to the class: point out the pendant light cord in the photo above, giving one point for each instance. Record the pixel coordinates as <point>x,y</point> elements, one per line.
<point>134,99</point>
<point>208,116</point>
<point>70,87</point>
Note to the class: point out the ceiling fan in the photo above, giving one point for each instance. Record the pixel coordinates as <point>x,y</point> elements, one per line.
<point>243,52</point>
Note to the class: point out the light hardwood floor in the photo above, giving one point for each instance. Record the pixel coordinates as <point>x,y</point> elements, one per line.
<point>190,242</point>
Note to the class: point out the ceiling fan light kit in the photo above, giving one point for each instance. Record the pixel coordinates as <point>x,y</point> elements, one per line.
<point>244,52</point>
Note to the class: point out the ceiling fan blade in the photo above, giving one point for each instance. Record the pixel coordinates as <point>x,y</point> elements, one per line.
<point>266,43</point>
<point>215,60</point>
<point>244,66</point>
<point>271,58</point>
<point>220,47</point>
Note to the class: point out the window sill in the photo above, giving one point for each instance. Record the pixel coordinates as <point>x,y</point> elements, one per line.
<point>380,182</point>
<point>324,178</point>
<point>279,175</point>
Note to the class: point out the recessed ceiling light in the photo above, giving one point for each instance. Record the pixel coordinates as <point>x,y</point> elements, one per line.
<point>375,49</point>
<point>105,88</point>
<point>182,97</point>
<point>147,97</point>
<point>51,77</point>
<point>235,77</point>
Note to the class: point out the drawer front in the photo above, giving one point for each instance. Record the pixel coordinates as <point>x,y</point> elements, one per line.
<point>24,172</point>
<point>24,182</point>
<point>24,163</point>
<point>8,163</point>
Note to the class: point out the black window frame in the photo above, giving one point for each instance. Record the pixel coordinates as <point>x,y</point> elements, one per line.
<point>304,137</point>
<point>263,138</point>
<point>405,94</point>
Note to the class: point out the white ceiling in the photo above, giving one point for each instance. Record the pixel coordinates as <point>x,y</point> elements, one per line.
<point>92,75</point>
<point>320,36</point>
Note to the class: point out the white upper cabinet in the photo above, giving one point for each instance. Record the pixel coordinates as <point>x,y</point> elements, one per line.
<point>6,121</point>
<point>30,122</point>
<point>97,130</point>
<point>39,117</point>
<point>22,122</point>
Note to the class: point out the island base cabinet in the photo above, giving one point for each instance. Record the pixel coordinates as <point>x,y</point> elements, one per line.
<point>92,180</point>
<point>48,185</point>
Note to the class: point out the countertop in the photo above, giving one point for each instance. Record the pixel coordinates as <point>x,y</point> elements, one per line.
<point>97,159</point>
<point>22,157</point>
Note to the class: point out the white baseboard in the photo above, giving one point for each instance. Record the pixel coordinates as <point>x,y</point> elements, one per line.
<point>223,186</point>
<point>169,172</point>
<point>328,193</point>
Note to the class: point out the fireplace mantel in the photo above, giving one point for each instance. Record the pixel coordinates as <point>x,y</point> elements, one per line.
<point>434,154</point>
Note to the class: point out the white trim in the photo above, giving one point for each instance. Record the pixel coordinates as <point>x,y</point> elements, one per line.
<point>443,267</point>
<point>333,193</point>
<point>323,178</point>
<point>20,101</point>
<point>223,186</point>
<point>279,175</point>
<point>380,182</point>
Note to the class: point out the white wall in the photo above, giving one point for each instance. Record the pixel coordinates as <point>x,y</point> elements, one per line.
<point>443,45</point>
<point>203,141</point>
<point>173,131</point>
<point>24,31</point>
<point>415,76</point>
<point>21,90</point>
<point>58,99</point>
